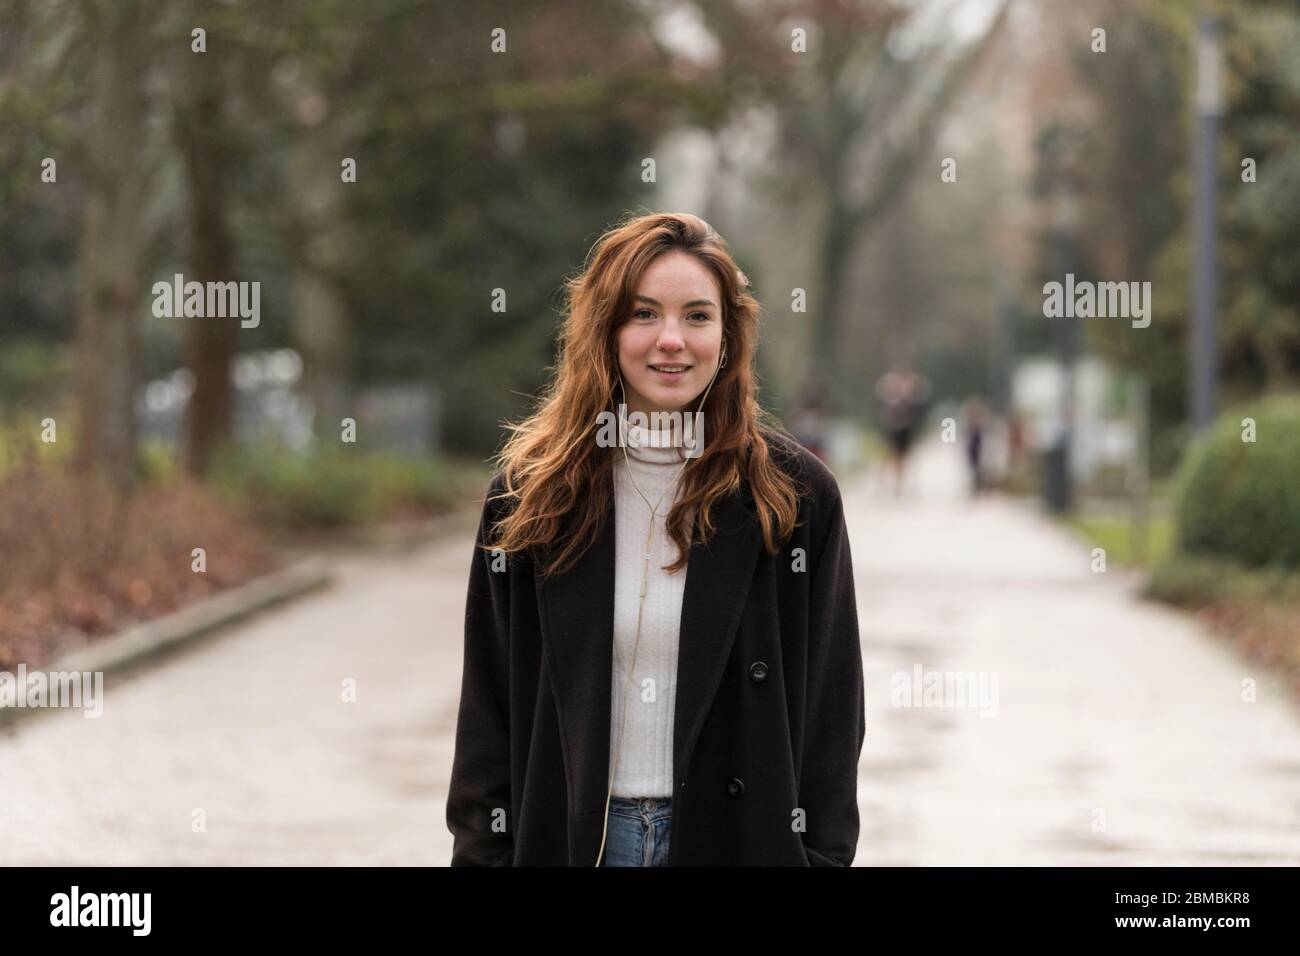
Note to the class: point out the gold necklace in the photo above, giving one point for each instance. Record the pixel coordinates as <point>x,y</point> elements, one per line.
<point>645,573</point>
<point>646,553</point>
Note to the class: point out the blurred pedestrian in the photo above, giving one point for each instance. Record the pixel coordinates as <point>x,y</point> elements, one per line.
<point>902,394</point>
<point>975,416</point>
<point>808,421</point>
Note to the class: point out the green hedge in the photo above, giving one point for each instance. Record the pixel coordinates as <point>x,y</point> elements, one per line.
<point>1197,581</point>
<point>335,488</point>
<point>1241,500</point>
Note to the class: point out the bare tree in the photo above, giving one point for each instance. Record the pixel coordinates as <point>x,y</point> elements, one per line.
<point>203,135</point>
<point>856,111</point>
<point>116,178</point>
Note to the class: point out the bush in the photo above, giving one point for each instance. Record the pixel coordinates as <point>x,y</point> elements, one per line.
<point>21,446</point>
<point>75,556</point>
<point>1241,500</point>
<point>159,463</point>
<point>1197,581</point>
<point>336,488</point>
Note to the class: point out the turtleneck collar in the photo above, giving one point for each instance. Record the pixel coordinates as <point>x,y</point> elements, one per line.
<point>654,446</point>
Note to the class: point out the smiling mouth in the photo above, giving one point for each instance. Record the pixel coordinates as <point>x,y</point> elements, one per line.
<point>670,368</point>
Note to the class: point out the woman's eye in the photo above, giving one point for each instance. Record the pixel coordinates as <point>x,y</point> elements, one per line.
<point>646,313</point>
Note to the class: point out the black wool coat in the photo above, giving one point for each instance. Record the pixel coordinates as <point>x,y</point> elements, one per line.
<point>769,720</point>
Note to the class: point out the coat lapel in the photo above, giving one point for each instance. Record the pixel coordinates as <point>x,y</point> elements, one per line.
<point>577,620</point>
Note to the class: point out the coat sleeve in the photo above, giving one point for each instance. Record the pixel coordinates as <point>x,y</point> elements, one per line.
<point>835,716</point>
<point>479,793</point>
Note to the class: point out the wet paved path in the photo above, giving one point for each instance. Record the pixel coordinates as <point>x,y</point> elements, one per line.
<point>1119,735</point>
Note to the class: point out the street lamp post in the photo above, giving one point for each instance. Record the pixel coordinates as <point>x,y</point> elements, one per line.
<point>1066,215</point>
<point>1209,107</point>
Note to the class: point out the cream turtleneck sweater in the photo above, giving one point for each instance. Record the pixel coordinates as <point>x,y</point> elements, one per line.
<point>645,760</point>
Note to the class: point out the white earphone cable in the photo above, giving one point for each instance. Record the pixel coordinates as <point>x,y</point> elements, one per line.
<point>645,574</point>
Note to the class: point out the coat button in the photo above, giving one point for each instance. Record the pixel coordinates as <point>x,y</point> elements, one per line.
<point>758,672</point>
<point>736,787</point>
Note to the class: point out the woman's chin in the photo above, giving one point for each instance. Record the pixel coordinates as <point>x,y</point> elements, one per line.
<point>677,401</point>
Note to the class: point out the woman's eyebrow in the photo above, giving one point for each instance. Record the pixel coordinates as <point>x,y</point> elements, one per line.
<point>687,305</point>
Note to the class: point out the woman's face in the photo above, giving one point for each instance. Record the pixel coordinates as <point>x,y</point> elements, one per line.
<point>676,323</point>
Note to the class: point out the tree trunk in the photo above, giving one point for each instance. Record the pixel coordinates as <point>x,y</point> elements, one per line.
<point>321,321</point>
<point>837,239</point>
<point>209,340</point>
<point>110,292</point>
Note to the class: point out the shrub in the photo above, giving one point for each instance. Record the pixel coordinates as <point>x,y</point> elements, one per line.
<point>1239,499</point>
<point>334,488</point>
<point>77,557</point>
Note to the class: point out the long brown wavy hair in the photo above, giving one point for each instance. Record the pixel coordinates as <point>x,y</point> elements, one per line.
<point>556,476</point>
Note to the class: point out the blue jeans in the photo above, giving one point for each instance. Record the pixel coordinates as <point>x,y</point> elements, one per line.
<point>638,831</point>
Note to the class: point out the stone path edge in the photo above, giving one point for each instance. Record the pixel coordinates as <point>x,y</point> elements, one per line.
<point>150,639</point>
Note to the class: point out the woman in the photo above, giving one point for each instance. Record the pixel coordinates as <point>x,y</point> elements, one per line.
<point>661,662</point>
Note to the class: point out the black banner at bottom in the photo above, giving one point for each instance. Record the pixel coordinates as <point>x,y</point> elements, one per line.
<point>335,906</point>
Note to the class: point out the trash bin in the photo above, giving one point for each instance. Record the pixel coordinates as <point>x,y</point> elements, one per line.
<point>1056,477</point>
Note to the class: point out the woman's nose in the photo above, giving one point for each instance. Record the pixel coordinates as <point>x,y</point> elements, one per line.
<point>670,339</point>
